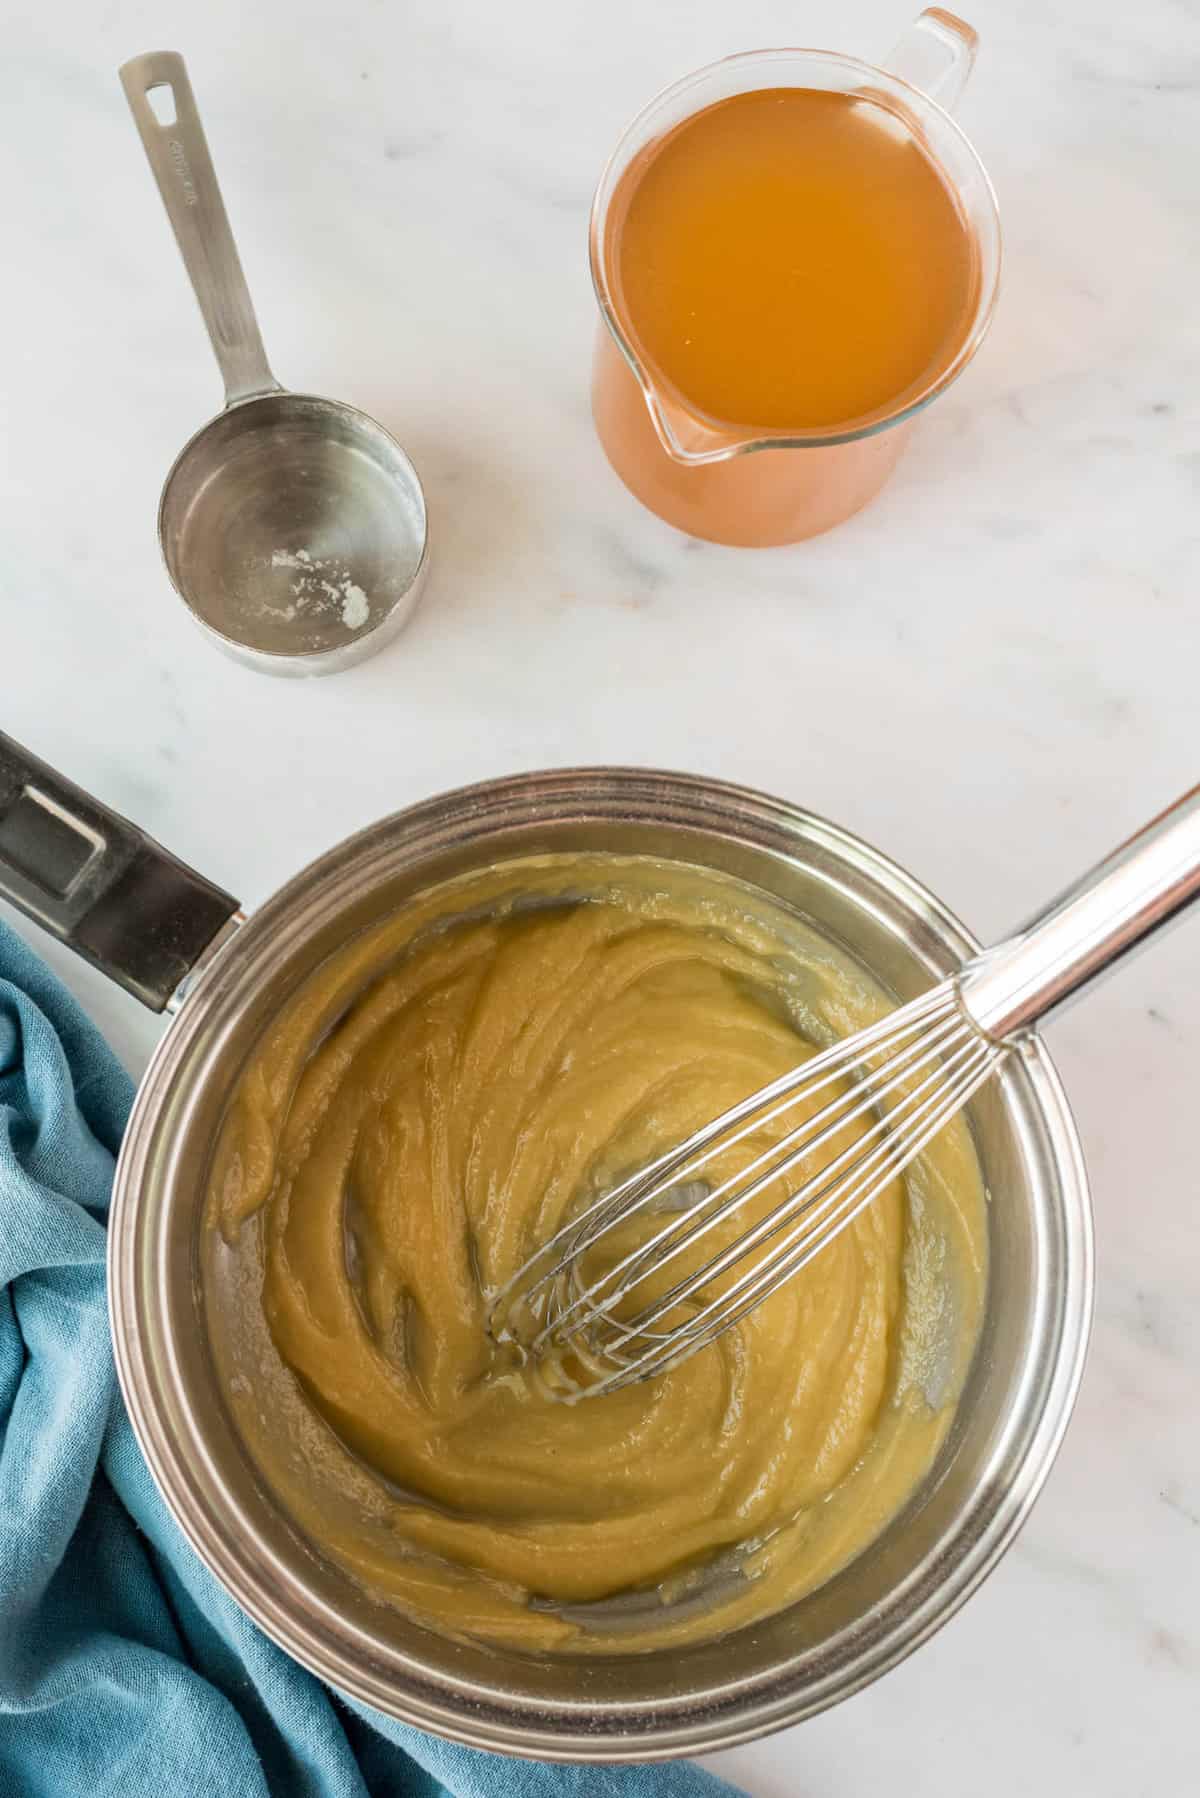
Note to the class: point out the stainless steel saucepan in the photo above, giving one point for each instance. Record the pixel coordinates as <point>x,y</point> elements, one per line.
<point>179,943</point>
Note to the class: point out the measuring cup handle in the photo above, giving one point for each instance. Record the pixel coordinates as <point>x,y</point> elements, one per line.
<point>101,885</point>
<point>936,55</point>
<point>187,182</point>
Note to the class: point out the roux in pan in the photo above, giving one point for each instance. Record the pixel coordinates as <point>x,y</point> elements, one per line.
<point>429,1108</point>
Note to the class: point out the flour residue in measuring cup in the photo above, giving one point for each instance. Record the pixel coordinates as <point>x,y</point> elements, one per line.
<point>323,585</point>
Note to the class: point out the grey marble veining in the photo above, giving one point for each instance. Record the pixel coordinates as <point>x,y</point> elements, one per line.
<point>992,672</point>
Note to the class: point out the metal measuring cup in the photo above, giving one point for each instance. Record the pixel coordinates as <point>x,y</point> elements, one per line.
<point>293,528</point>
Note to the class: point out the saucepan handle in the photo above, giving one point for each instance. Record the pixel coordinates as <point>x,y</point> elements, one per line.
<point>101,885</point>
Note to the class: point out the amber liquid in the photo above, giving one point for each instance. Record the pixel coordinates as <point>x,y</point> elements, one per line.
<point>792,258</point>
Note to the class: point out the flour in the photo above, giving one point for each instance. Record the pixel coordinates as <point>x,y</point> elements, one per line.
<point>356,607</point>
<point>324,586</point>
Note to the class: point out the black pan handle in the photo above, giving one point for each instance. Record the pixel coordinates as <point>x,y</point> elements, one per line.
<point>101,885</point>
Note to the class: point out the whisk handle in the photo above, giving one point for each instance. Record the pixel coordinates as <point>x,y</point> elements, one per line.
<point>1137,889</point>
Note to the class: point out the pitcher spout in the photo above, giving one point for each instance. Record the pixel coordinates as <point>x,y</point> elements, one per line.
<point>687,436</point>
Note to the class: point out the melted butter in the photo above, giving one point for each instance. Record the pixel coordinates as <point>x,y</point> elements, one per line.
<point>418,1118</point>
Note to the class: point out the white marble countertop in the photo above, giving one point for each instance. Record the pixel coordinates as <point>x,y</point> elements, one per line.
<point>991,672</point>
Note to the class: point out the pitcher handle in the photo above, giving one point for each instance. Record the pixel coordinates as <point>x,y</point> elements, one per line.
<point>936,55</point>
<point>101,885</point>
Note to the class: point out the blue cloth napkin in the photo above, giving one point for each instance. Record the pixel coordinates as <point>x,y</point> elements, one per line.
<point>124,1667</point>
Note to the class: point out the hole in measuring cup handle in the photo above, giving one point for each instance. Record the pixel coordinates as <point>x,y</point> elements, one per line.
<point>161,100</point>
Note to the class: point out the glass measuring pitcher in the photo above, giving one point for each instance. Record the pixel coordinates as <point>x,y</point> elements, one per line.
<point>741,485</point>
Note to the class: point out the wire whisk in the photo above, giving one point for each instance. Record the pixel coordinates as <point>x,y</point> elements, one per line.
<point>665,1262</point>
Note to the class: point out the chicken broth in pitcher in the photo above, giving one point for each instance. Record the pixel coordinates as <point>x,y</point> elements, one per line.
<point>792,259</point>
